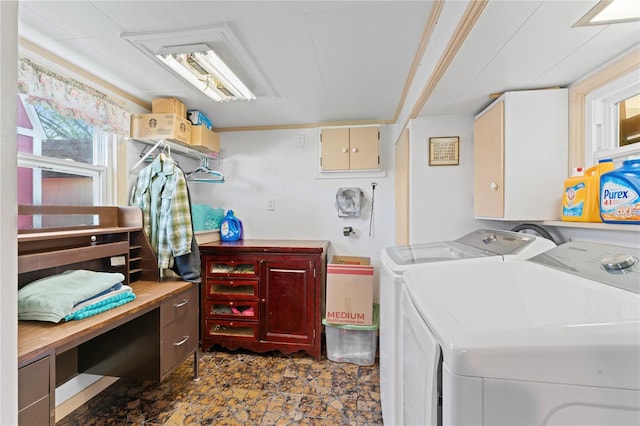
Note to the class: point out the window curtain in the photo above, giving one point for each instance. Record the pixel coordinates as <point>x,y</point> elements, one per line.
<point>71,98</point>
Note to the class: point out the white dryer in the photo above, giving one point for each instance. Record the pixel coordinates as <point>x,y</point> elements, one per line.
<point>554,340</point>
<point>483,245</point>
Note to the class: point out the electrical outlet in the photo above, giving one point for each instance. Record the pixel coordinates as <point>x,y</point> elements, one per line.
<point>300,141</point>
<point>271,204</point>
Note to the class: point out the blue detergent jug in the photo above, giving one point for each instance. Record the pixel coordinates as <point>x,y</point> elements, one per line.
<point>620,194</point>
<point>230,227</point>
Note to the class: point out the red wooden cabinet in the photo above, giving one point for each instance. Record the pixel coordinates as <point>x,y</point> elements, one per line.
<point>264,295</point>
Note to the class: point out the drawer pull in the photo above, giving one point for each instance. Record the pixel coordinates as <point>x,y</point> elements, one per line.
<point>181,304</point>
<point>181,342</point>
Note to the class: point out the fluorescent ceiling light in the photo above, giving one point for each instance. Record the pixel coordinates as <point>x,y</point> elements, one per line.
<point>203,69</point>
<point>611,12</point>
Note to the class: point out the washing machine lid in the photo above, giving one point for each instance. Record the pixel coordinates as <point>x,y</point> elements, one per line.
<point>535,322</point>
<point>481,243</point>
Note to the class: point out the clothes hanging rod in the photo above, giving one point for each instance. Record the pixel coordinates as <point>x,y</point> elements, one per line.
<point>148,153</point>
<point>176,147</point>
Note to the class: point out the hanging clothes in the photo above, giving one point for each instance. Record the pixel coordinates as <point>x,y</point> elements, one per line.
<point>161,192</point>
<point>188,265</point>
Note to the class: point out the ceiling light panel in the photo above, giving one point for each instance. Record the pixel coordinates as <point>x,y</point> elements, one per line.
<point>205,57</point>
<point>611,12</point>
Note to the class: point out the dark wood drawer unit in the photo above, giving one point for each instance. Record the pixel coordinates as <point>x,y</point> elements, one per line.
<point>263,295</point>
<point>34,386</point>
<point>179,329</point>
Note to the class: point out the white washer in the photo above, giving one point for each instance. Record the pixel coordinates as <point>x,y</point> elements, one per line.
<point>483,245</point>
<point>553,340</point>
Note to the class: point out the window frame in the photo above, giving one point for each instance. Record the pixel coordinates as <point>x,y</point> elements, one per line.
<point>102,193</point>
<point>602,120</point>
<point>627,62</point>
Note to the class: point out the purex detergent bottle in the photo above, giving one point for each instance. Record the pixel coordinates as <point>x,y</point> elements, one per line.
<point>230,227</point>
<point>620,194</point>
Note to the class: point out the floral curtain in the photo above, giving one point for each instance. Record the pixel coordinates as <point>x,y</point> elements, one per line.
<point>71,98</point>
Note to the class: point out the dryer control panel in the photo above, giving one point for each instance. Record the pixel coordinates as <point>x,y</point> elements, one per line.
<point>612,265</point>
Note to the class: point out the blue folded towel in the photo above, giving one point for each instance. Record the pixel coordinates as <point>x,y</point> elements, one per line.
<point>101,306</point>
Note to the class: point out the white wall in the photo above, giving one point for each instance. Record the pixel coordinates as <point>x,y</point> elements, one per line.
<point>264,165</point>
<point>8,221</point>
<point>441,196</point>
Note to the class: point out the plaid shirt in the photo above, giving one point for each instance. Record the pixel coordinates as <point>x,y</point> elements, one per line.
<point>161,192</point>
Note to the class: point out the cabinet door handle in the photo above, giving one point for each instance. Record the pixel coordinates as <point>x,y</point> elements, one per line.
<point>354,149</point>
<point>493,186</point>
<point>181,304</point>
<point>181,342</point>
<point>345,150</point>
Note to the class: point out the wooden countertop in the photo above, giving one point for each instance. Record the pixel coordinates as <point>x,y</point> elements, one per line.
<point>37,338</point>
<point>265,246</point>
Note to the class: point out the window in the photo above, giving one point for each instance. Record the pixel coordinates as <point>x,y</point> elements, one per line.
<point>60,160</point>
<point>629,121</point>
<point>68,134</point>
<point>606,110</point>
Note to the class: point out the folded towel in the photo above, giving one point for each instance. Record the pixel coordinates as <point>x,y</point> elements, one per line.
<point>110,290</point>
<point>102,306</point>
<point>121,288</point>
<point>52,298</point>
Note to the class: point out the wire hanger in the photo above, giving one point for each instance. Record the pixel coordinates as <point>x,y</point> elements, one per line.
<point>210,176</point>
<point>148,153</point>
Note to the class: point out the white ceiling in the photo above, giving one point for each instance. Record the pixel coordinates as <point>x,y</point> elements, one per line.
<point>330,61</point>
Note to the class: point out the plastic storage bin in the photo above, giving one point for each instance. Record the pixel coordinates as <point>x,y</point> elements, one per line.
<point>356,344</point>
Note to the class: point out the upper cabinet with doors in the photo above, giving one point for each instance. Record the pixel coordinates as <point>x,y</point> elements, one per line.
<point>520,156</point>
<point>350,148</point>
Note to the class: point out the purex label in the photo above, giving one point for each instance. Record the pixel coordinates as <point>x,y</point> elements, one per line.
<point>615,194</point>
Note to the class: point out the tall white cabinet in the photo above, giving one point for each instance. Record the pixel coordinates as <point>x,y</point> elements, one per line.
<point>520,156</point>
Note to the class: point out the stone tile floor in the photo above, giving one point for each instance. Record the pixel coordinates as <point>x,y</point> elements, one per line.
<point>242,388</point>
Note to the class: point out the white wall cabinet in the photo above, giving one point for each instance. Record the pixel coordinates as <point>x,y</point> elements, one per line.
<point>350,148</point>
<point>520,156</point>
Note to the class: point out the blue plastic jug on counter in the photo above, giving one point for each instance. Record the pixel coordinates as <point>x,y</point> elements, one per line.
<point>230,227</point>
<point>620,194</point>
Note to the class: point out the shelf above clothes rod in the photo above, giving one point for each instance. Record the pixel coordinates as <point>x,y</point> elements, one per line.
<point>190,151</point>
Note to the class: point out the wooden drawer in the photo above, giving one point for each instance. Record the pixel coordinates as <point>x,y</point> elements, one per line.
<point>238,309</point>
<point>231,329</point>
<point>231,288</point>
<point>179,334</point>
<point>180,306</point>
<point>37,413</point>
<point>33,393</point>
<point>241,267</point>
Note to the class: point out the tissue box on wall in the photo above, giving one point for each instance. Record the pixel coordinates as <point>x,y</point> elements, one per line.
<point>349,291</point>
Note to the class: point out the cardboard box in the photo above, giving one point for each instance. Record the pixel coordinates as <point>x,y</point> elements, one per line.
<point>168,106</point>
<point>349,291</point>
<point>161,126</point>
<point>204,138</point>
<point>197,118</point>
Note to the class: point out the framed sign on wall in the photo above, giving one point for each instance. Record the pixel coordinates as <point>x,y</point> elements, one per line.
<point>444,151</point>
